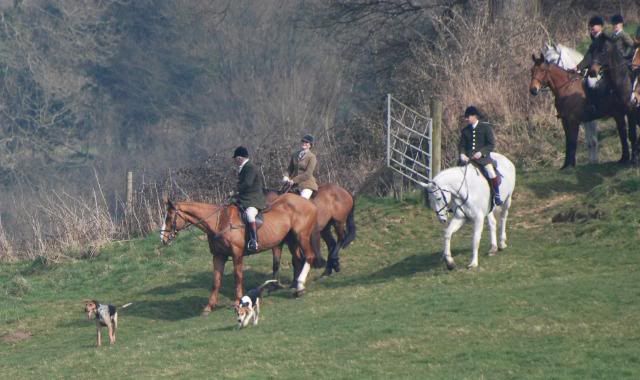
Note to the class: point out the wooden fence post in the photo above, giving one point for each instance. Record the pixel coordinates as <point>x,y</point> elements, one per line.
<point>129,192</point>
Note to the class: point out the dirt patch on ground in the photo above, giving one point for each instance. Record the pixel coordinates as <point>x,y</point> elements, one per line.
<point>540,213</point>
<point>16,336</point>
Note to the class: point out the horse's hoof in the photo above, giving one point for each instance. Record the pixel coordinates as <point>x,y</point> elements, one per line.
<point>336,266</point>
<point>493,251</point>
<point>502,246</point>
<point>450,266</point>
<point>205,313</point>
<point>472,266</point>
<point>298,293</point>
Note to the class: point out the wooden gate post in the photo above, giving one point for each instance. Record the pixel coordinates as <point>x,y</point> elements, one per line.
<point>436,136</point>
<point>129,192</point>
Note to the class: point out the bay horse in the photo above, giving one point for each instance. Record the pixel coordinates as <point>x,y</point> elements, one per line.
<point>335,211</point>
<point>465,192</point>
<point>289,218</point>
<point>570,102</point>
<point>609,62</point>
<point>568,59</point>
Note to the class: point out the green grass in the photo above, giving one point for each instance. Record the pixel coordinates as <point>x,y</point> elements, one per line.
<point>562,302</point>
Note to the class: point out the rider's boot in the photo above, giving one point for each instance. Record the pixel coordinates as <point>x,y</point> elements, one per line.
<point>252,244</point>
<point>495,182</point>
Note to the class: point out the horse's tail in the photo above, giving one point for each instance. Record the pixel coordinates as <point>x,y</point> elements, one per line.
<point>351,227</point>
<point>319,261</point>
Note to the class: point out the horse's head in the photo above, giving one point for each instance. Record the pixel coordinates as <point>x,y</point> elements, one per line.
<point>172,223</point>
<point>551,53</point>
<point>437,199</point>
<point>539,75</point>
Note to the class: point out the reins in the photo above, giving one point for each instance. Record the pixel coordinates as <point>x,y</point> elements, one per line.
<point>442,192</point>
<point>174,231</point>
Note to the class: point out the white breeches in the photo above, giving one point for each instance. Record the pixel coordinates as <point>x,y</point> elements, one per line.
<point>490,172</point>
<point>251,213</point>
<point>306,193</point>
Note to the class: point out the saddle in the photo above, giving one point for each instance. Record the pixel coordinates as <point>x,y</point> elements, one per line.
<point>259,217</point>
<point>294,189</point>
<point>492,192</point>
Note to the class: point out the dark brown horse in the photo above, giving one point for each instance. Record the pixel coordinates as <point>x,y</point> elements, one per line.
<point>335,211</point>
<point>290,219</point>
<point>615,69</point>
<point>570,101</point>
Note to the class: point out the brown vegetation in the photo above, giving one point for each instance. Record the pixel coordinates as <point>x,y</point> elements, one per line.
<point>91,90</point>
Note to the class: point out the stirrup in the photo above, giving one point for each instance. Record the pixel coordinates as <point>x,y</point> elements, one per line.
<point>252,245</point>
<point>497,201</point>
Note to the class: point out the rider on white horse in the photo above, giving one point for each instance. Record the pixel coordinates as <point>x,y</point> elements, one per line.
<point>464,192</point>
<point>476,143</point>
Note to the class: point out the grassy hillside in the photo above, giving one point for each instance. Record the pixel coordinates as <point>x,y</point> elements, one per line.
<point>561,302</point>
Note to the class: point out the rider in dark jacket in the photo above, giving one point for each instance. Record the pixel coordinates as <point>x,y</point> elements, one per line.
<point>249,196</point>
<point>476,143</point>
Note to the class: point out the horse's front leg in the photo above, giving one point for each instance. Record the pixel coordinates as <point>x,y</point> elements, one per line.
<point>218,270</point>
<point>491,219</point>
<point>478,225</point>
<point>571,129</point>
<point>621,124</point>
<point>503,223</point>
<point>308,257</point>
<point>591,138</point>
<point>454,225</point>
<point>238,260</point>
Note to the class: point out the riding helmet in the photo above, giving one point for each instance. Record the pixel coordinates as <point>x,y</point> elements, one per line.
<point>241,152</point>
<point>616,19</point>
<point>471,110</point>
<point>596,20</point>
<point>307,138</point>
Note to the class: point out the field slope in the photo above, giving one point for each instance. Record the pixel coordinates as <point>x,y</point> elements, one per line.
<point>562,302</point>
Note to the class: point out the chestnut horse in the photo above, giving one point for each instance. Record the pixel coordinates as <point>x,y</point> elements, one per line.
<point>570,102</point>
<point>335,210</point>
<point>290,218</point>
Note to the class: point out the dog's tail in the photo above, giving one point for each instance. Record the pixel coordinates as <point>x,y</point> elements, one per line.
<point>263,286</point>
<point>126,305</point>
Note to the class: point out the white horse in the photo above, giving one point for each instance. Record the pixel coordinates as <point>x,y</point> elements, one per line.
<point>464,191</point>
<point>568,59</point>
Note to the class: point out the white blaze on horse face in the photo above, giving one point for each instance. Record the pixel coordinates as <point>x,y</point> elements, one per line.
<point>592,82</point>
<point>634,93</point>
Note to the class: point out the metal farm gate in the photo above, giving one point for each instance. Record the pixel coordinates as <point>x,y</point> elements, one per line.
<point>409,141</point>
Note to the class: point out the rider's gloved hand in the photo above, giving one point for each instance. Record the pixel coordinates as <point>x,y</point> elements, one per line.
<point>477,155</point>
<point>464,158</point>
<point>286,179</point>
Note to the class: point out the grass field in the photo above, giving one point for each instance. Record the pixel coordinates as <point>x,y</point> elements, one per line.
<point>562,302</point>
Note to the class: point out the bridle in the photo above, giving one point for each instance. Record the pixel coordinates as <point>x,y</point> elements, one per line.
<point>173,232</point>
<point>447,204</point>
<point>545,80</point>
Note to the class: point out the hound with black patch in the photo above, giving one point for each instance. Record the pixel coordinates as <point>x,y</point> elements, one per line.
<point>105,315</point>
<point>249,308</point>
